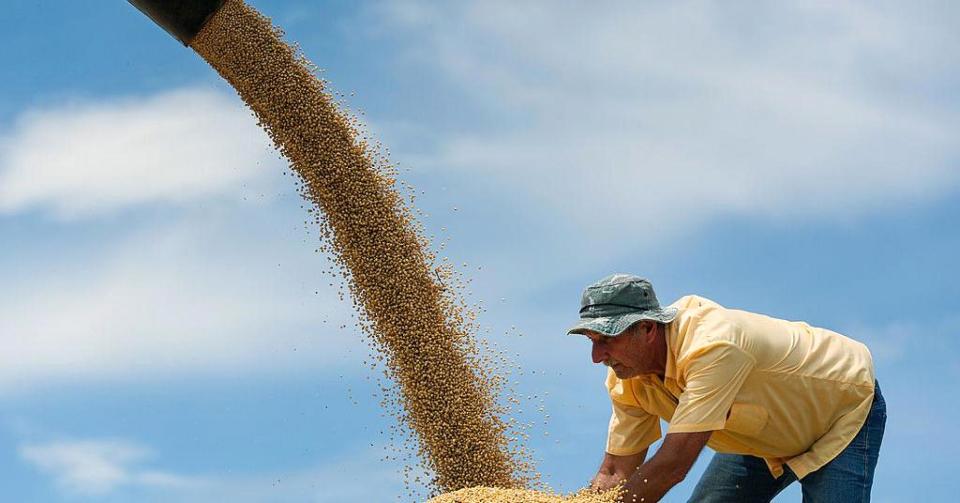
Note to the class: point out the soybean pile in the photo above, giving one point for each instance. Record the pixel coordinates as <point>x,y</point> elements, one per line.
<point>497,495</point>
<point>417,323</point>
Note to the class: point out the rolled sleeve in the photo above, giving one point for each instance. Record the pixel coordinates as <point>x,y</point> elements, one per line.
<point>713,378</point>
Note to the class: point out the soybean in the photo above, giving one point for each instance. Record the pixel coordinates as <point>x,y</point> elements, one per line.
<point>419,326</point>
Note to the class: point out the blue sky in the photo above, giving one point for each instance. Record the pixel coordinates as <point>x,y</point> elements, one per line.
<point>167,332</point>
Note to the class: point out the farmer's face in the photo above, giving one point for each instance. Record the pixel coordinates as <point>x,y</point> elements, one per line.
<point>628,354</point>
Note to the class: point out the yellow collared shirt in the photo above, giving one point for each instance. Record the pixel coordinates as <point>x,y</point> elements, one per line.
<point>780,390</point>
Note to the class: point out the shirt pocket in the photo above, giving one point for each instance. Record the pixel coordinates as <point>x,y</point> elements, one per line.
<point>746,418</point>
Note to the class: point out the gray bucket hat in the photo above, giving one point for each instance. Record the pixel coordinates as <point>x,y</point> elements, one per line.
<point>616,302</point>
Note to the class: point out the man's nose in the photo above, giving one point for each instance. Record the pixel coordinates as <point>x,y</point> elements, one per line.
<point>598,353</point>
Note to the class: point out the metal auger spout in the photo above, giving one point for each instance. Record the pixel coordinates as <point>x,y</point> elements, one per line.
<point>181,18</point>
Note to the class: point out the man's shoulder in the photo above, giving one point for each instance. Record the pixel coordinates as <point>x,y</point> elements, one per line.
<point>700,324</point>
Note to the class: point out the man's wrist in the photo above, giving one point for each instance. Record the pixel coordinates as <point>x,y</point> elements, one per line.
<point>605,481</point>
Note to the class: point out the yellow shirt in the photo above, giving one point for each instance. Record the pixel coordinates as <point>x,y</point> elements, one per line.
<point>780,390</point>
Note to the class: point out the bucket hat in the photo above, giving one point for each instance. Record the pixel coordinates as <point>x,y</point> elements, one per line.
<point>616,302</point>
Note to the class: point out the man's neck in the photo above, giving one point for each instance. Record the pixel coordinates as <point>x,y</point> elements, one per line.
<point>661,351</point>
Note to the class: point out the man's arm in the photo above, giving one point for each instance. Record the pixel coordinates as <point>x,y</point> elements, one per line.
<point>615,469</point>
<point>666,468</point>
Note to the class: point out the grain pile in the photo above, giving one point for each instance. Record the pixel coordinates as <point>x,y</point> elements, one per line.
<point>446,393</point>
<point>495,495</point>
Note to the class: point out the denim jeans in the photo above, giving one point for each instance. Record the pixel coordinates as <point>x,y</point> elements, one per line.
<point>847,478</point>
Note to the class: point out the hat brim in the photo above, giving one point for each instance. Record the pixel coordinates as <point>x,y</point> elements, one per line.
<point>615,325</point>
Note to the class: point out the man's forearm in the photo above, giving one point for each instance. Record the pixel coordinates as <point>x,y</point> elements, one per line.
<point>651,481</point>
<point>666,468</point>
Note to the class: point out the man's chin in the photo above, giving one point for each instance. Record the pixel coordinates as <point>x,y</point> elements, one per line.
<point>624,373</point>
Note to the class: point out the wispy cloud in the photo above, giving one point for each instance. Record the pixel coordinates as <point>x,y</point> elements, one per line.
<point>352,476</point>
<point>170,148</point>
<point>208,295</point>
<point>102,467</point>
<point>676,113</point>
<point>98,467</point>
<point>910,341</point>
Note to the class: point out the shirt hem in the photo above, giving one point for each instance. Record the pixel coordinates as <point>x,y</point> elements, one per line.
<point>803,466</point>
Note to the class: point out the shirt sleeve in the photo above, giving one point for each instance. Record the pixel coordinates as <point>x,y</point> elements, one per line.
<point>713,378</point>
<point>631,430</point>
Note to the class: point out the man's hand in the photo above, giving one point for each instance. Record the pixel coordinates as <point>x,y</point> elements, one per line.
<point>666,468</point>
<point>616,469</point>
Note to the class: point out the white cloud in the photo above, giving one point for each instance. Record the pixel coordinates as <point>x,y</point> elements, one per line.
<point>101,467</point>
<point>209,295</point>
<point>98,467</point>
<point>170,148</point>
<point>912,341</point>
<point>675,113</point>
<point>353,476</point>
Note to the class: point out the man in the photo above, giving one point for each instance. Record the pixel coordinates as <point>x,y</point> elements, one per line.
<point>777,400</point>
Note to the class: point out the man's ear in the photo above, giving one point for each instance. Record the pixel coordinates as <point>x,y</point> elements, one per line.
<point>648,329</point>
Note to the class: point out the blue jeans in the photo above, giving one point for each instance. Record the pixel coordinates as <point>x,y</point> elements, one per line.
<point>847,478</point>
